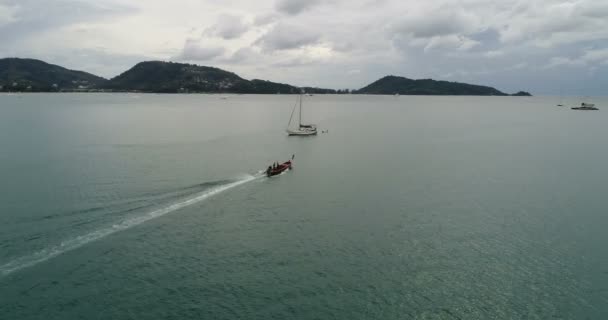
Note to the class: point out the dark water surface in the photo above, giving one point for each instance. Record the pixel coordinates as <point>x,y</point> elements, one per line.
<point>122,206</point>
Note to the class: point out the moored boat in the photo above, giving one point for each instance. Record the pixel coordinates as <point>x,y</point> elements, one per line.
<point>301,129</point>
<point>586,106</point>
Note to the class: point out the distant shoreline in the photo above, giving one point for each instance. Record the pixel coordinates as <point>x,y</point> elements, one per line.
<point>256,94</point>
<point>30,75</point>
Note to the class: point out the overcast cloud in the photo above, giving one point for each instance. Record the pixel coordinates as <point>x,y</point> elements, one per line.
<point>545,46</point>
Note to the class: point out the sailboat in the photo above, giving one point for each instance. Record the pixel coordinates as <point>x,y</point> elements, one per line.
<point>301,129</point>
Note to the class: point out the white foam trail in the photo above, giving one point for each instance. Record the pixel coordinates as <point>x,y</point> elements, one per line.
<point>74,243</point>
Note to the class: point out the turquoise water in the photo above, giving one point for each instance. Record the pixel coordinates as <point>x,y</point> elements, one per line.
<point>123,206</point>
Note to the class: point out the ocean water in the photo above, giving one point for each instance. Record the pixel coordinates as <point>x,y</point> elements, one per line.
<point>126,206</point>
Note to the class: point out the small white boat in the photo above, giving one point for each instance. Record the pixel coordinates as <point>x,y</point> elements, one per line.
<point>586,106</point>
<point>300,129</point>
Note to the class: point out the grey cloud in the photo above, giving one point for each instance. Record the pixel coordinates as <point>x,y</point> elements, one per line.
<point>243,55</point>
<point>562,62</point>
<point>440,23</point>
<point>552,23</point>
<point>293,62</point>
<point>489,38</point>
<point>29,16</point>
<point>294,7</point>
<point>589,57</point>
<point>477,41</point>
<point>7,14</point>
<point>193,51</point>
<point>286,36</point>
<point>265,19</point>
<point>596,55</point>
<point>450,42</point>
<point>228,27</point>
<point>598,9</point>
<point>98,61</point>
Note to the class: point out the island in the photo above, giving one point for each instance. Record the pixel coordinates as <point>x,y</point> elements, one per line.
<point>405,86</point>
<point>522,94</point>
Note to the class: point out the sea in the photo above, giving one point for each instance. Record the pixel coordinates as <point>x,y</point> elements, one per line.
<point>147,206</point>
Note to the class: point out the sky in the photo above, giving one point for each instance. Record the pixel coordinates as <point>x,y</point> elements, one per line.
<point>543,46</point>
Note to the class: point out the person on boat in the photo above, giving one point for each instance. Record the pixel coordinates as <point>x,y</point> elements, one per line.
<point>269,170</point>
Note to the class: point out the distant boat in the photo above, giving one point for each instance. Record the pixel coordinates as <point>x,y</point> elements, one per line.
<point>301,129</point>
<point>586,106</point>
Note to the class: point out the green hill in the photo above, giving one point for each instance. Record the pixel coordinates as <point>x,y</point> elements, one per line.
<point>35,75</point>
<point>169,77</point>
<point>268,87</point>
<point>401,85</point>
<point>264,86</point>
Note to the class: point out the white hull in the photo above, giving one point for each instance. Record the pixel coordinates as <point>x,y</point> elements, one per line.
<point>302,132</point>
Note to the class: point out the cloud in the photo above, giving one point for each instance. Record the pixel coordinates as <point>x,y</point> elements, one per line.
<point>294,7</point>
<point>596,56</point>
<point>493,54</point>
<point>590,58</point>
<point>562,62</point>
<point>287,36</point>
<point>450,42</point>
<point>549,23</point>
<point>28,17</point>
<point>99,61</point>
<point>243,55</point>
<point>265,19</point>
<point>194,51</point>
<point>436,23</point>
<point>7,14</point>
<point>476,41</point>
<point>227,27</point>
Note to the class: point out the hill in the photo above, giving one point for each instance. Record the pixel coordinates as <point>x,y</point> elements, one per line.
<point>268,87</point>
<point>172,77</point>
<point>405,86</point>
<point>168,77</point>
<point>34,75</point>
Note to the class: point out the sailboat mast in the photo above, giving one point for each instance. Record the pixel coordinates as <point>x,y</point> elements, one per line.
<point>295,105</point>
<point>300,110</point>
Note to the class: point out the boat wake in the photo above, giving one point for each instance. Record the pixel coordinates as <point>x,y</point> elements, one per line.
<point>77,242</point>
